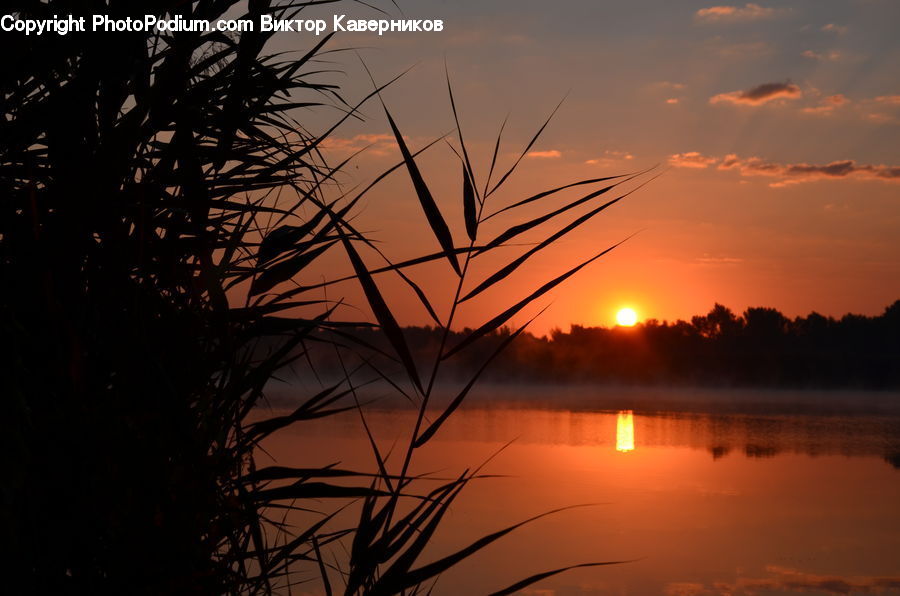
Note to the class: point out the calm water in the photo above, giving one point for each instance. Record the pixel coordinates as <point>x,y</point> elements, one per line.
<point>708,493</point>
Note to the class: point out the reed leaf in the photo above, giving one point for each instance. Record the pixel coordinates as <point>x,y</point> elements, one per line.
<point>429,432</point>
<point>522,584</point>
<point>285,270</point>
<point>507,269</point>
<point>432,213</point>
<point>521,228</point>
<point>158,194</point>
<point>399,582</point>
<point>510,312</point>
<point>382,313</point>
<point>524,151</point>
<point>553,191</point>
<point>471,217</point>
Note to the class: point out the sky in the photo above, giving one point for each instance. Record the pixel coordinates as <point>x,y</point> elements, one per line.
<point>774,125</point>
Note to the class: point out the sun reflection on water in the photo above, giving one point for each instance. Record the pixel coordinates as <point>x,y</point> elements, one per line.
<point>625,431</point>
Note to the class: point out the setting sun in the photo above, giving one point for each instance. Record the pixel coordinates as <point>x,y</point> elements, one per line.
<point>626,317</point>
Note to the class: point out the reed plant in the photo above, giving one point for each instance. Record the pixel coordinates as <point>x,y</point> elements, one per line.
<point>158,195</point>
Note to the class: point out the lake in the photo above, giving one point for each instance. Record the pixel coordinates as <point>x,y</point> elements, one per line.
<point>705,492</point>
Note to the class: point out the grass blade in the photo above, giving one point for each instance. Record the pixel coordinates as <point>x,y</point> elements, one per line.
<point>487,182</point>
<point>322,571</point>
<point>539,576</point>
<point>382,312</point>
<point>469,206</point>
<point>462,143</point>
<point>432,213</point>
<point>553,191</point>
<point>426,572</point>
<point>507,269</point>
<point>519,229</point>
<point>433,428</point>
<point>286,269</point>
<point>526,150</point>
<point>503,317</point>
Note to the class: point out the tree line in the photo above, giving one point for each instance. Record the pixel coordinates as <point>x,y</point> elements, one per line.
<point>760,347</point>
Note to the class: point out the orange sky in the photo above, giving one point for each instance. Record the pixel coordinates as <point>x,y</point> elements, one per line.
<point>775,125</point>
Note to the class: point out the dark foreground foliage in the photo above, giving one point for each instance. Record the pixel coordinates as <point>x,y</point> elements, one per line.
<point>157,193</point>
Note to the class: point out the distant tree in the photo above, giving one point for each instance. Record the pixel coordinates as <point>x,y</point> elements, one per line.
<point>814,326</point>
<point>718,322</point>
<point>765,324</point>
<point>760,348</point>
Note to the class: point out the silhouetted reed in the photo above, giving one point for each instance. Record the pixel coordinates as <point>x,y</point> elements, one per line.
<point>157,194</point>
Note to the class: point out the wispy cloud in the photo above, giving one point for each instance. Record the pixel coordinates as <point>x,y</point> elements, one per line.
<point>686,589</point>
<point>881,118</point>
<point>881,109</point>
<point>892,100</point>
<point>718,260</point>
<point>731,14</point>
<point>829,56</point>
<point>827,106</point>
<point>836,29</point>
<point>691,159</point>
<point>551,154</point>
<point>760,94</point>
<point>374,144</point>
<point>783,579</point>
<point>743,50</point>
<point>668,91</point>
<point>670,85</point>
<point>610,157</point>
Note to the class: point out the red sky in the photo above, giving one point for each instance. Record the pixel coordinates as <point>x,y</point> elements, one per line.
<point>775,125</point>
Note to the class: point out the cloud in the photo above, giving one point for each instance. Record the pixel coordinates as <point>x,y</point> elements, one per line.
<point>881,109</point>
<point>892,100</point>
<point>741,50</point>
<point>618,154</point>
<point>827,106</point>
<point>374,144</point>
<point>670,85</point>
<point>551,154</point>
<point>760,94</point>
<point>804,172</point>
<point>668,91</point>
<point>879,118</point>
<point>786,580</point>
<point>830,56</point>
<point>691,159</point>
<point>836,29</point>
<point>733,14</point>
<point>610,157</point>
<point>685,589</point>
<point>707,259</point>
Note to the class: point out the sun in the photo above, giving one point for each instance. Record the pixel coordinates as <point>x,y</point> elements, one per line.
<point>626,317</point>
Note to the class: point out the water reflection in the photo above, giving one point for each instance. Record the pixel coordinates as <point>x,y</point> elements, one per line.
<point>721,436</point>
<point>713,503</point>
<point>625,431</point>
